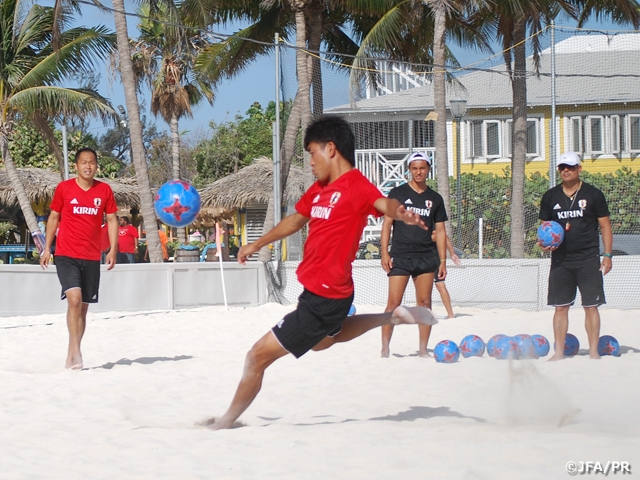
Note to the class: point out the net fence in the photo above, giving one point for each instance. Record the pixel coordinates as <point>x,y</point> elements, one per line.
<point>596,113</point>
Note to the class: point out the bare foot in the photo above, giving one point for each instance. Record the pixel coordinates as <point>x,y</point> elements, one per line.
<point>74,363</point>
<point>424,355</point>
<point>385,353</point>
<point>556,356</point>
<point>594,356</point>
<point>413,315</point>
<point>214,423</point>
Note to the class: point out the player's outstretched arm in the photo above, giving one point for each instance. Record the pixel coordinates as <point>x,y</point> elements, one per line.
<point>394,209</point>
<point>288,226</point>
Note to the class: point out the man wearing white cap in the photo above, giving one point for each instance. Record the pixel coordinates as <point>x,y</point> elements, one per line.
<point>413,251</point>
<point>580,208</point>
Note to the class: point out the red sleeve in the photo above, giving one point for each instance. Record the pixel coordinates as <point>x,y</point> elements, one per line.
<point>367,196</point>
<point>303,207</point>
<point>110,201</point>
<point>56,202</point>
<point>134,231</point>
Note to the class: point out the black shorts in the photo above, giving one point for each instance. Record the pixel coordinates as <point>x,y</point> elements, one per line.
<point>403,266</point>
<point>315,318</point>
<point>79,273</point>
<point>584,274</point>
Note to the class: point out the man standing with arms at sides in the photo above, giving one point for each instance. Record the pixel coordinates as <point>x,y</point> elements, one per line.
<point>77,208</point>
<point>413,252</point>
<point>580,208</point>
<point>127,241</point>
<point>339,201</point>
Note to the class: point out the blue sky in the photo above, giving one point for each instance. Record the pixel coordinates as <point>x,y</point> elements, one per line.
<point>256,83</point>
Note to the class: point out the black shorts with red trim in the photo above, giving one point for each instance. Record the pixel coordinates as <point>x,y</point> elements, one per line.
<point>315,318</point>
<point>79,273</point>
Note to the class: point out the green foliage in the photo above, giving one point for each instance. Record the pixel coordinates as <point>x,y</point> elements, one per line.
<point>234,144</point>
<point>5,230</point>
<point>488,196</point>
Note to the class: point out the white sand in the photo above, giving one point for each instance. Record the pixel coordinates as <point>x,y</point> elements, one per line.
<point>341,413</point>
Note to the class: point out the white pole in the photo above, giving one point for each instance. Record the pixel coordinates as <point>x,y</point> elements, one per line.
<point>277,200</point>
<point>552,124</point>
<point>219,255</point>
<point>65,152</point>
<point>480,239</point>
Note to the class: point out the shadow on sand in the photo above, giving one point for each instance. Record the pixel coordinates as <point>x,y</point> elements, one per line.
<point>142,360</point>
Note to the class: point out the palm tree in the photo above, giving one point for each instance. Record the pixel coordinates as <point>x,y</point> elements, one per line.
<point>32,73</point>
<point>511,21</point>
<point>135,132</point>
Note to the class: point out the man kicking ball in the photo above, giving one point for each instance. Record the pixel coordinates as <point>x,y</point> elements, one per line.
<point>336,208</point>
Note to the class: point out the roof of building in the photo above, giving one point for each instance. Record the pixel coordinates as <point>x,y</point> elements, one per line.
<point>590,74</point>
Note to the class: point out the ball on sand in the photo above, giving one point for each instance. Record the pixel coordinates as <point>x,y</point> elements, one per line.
<point>491,344</point>
<point>526,348</point>
<point>608,345</point>
<point>571,345</point>
<point>177,203</point>
<point>352,310</point>
<point>472,346</point>
<point>550,234</point>
<point>506,347</point>
<point>446,351</point>
<point>541,344</point>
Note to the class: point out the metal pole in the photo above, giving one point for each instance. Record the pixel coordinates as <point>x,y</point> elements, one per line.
<point>458,185</point>
<point>552,126</point>
<point>480,237</point>
<point>65,152</point>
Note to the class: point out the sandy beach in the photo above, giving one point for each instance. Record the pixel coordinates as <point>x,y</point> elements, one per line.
<point>149,378</point>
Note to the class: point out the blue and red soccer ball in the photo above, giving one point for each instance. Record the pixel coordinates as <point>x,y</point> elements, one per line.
<point>550,234</point>
<point>177,203</point>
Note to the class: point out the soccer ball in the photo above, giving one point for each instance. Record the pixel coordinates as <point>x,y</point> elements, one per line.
<point>352,310</point>
<point>526,347</point>
<point>491,344</point>
<point>550,234</point>
<point>472,346</point>
<point>177,203</point>
<point>541,345</point>
<point>506,347</point>
<point>571,345</point>
<point>446,351</point>
<point>608,345</point>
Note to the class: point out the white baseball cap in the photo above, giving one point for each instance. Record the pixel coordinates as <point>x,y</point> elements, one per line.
<point>569,158</point>
<point>419,156</point>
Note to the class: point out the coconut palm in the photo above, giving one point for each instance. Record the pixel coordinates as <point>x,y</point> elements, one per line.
<point>32,75</point>
<point>510,21</point>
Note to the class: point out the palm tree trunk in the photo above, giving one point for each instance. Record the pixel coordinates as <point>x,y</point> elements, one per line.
<point>175,164</point>
<point>519,87</point>
<point>440,108</point>
<point>18,187</point>
<point>304,80</point>
<point>313,62</point>
<point>289,142</point>
<point>135,132</point>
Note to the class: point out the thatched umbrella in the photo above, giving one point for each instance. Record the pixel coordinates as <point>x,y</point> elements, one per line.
<point>40,185</point>
<point>252,184</point>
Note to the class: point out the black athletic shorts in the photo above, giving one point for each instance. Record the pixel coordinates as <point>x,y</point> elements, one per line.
<point>79,273</point>
<point>315,318</point>
<point>584,274</point>
<point>414,266</point>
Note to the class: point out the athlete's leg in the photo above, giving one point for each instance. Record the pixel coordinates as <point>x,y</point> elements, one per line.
<point>76,324</point>
<point>266,351</point>
<point>560,328</point>
<point>358,324</point>
<point>446,298</point>
<point>424,288</point>
<point>397,286</point>
<point>592,324</point>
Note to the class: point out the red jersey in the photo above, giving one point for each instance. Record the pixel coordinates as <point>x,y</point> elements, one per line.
<point>127,239</point>
<point>338,213</point>
<point>81,216</point>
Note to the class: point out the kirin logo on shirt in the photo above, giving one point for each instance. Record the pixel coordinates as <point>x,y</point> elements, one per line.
<point>97,202</point>
<point>582,204</point>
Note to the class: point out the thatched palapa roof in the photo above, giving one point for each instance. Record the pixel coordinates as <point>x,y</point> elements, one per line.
<point>252,184</point>
<point>40,185</point>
